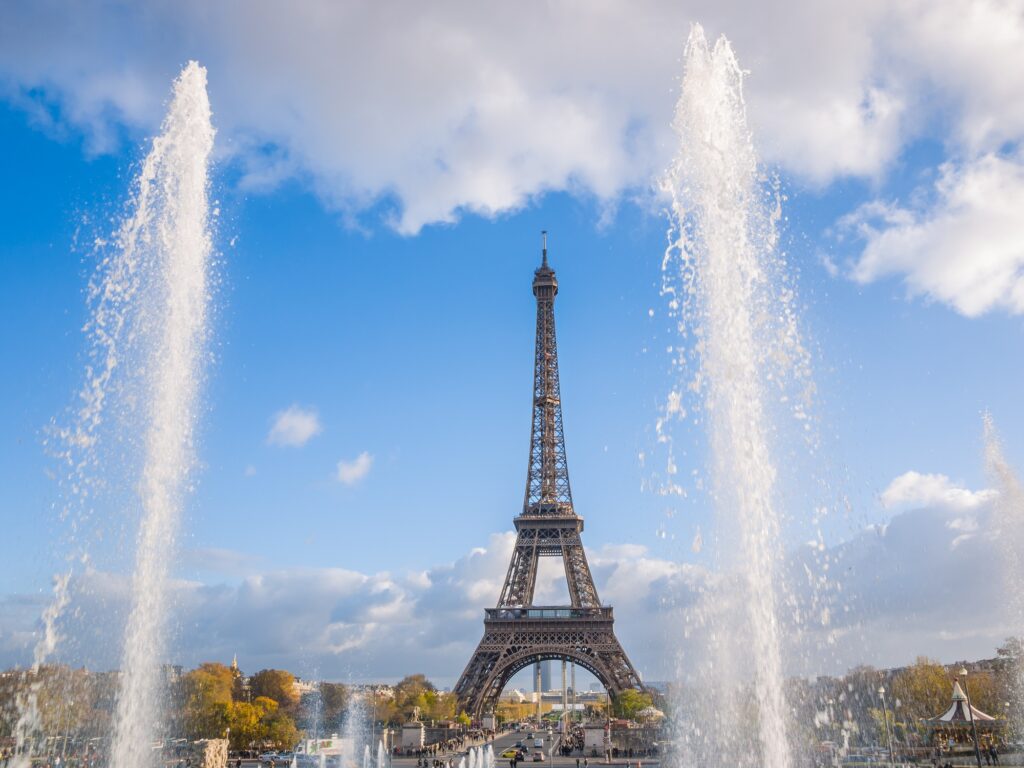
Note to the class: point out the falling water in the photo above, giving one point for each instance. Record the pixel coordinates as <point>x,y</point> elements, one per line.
<point>1009,523</point>
<point>381,755</point>
<point>366,756</point>
<point>165,248</point>
<point>354,731</point>
<point>488,757</point>
<point>734,303</point>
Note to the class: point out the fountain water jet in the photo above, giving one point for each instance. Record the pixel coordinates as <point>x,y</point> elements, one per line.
<point>165,246</point>
<point>1008,513</point>
<point>723,241</point>
<point>354,731</point>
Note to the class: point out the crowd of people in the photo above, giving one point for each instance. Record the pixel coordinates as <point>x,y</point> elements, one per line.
<point>572,742</point>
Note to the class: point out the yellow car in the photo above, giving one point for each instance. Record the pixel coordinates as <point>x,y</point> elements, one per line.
<point>508,754</point>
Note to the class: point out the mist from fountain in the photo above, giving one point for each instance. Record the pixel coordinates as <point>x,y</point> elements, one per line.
<point>735,305</point>
<point>165,248</point>
<point>1008,513</point>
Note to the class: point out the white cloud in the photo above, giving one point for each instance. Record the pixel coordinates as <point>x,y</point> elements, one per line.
<point>965,247</point>
<point>449,107</point>
<point>294,426</point>
<point>351,472</point>
<point>916,490</point>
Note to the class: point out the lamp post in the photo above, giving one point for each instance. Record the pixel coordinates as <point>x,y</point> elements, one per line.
<point>970,714</point>
<point>885,717</point>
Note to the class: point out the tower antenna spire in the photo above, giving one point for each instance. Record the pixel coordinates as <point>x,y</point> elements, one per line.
<point>544,246</point>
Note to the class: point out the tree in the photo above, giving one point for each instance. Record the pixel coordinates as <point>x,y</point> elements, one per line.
<point>276,684</point>
<point>279,731</point>
<point>921,690</point>
<point>629,702</point>
<point>265,705</point>
<point>204,700</point>
<point>334,699</point>
<point>245,725</point>
<point>216,679</point>
<point>416,691</point>
<point>464,719</point>
<point>986,693</point>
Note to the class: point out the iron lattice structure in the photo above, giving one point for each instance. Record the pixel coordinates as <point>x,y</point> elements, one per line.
<point>517,633</point>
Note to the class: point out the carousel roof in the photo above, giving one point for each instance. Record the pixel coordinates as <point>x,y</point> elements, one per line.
<point>957,714</point>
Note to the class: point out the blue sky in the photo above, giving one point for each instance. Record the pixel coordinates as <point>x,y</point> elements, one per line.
<point>377,236</point>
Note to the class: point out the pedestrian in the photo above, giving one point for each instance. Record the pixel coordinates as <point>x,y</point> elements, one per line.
<point>238,763</point>
<point>586,763</point>
<point>994,753</point>
<point>577,762</point>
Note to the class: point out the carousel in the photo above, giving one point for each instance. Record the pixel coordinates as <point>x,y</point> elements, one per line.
<point>955,725</point>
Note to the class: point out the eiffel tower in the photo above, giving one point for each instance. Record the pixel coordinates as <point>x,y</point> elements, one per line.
<point>518,633</point>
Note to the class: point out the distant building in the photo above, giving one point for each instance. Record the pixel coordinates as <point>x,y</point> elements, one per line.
<point>545,675</point>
